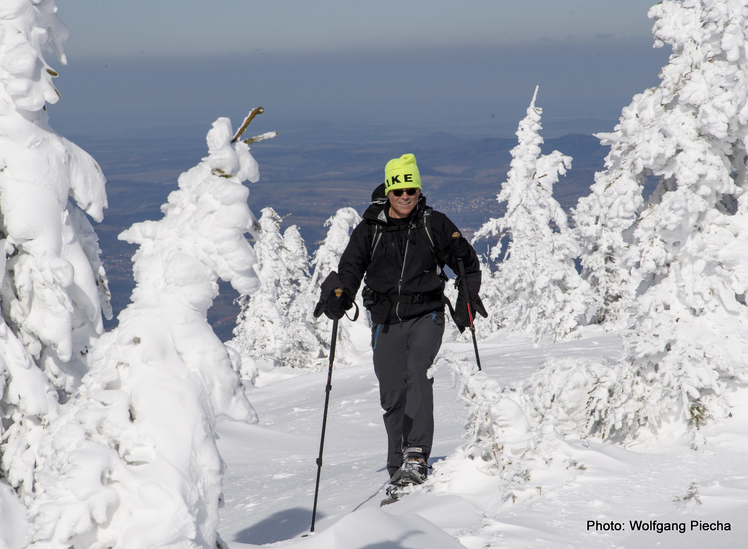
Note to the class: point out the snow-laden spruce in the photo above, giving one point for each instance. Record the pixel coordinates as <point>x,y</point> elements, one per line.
<point>262,326</point>
<point>688,248</point>
<point>131,461</point>
<point>277,323</point>
<point>325,260</point>
<point>53,286</point>
<point>604,218</point>
<point>296,259</point>
<point>536,288</point>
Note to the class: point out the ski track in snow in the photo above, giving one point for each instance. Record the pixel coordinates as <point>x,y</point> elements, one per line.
<point>271,470</point>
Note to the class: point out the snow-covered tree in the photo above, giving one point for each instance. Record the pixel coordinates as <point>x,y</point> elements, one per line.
<point>262,326</point>
<point>326,260</point>
<point>537,285</point>
<point>131,461</point>
<point>328,255</point>
<point>296,259</point>
<point>308,343</point>
<point>504,438</point>
<point>300,349</point>
<point>604,221</point>
<point>53,287</point>
<point>277,323</point>
<point>497,432</point>
<point>689,246</point>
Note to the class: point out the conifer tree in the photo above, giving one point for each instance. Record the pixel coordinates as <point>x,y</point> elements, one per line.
<point>262,326</point>
<point>326,260</point>
<point>603,224</point>
<point>302,349</point>
<point>131,460</point>
<point>536,288</point>
<point>687,248</point>
<point>277,324</point>
<point>296,259</point>
<point>604,220</point>
<point>53,287</point>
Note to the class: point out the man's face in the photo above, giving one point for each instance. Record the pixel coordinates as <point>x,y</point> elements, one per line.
<point>401,206</point>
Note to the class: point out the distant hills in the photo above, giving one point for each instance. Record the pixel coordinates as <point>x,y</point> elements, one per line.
<point>309,176</point>
<point>461,177</point>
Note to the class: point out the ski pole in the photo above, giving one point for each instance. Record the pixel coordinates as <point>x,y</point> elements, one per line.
<point>328,388</point>
<point>464,289</point>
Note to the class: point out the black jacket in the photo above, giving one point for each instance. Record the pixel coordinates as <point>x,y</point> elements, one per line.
<point>402,270</point>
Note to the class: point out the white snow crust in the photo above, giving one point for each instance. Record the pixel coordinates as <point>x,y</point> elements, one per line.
<point>555,483</point>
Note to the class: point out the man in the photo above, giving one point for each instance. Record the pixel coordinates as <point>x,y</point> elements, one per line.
<point>399,249</point>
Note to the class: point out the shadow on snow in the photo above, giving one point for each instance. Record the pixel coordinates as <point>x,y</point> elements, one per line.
<point>281,526</point>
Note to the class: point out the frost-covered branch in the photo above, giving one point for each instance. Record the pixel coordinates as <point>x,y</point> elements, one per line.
<point>262,137</point>
<point>247,121</point>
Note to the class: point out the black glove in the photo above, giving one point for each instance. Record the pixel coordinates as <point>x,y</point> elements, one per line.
<point>460,314</point>
<point>334,299</point>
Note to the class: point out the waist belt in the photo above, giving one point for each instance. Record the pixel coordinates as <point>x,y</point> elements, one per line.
<point>371,297</point>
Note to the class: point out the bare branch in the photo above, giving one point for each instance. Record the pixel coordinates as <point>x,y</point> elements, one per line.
<point>254,112</point>
<point>262,137</point>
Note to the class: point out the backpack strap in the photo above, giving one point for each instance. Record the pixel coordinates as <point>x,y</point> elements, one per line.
<point>426,219</point>
<point>438,254</point>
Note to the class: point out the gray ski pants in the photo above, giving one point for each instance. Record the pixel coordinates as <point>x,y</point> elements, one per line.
<point>403,353</point>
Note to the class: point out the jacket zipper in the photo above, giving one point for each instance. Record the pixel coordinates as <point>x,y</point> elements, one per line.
<point>402,274</point>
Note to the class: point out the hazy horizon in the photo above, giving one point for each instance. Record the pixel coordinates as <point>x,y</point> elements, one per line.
<point>449,89</point>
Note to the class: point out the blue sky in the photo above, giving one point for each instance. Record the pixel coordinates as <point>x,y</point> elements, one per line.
<point>443,64</point>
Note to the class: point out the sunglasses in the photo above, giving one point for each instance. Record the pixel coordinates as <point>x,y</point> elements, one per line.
<point>399,192</point>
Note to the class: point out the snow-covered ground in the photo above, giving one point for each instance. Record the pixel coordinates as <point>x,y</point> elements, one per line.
<point>269,483</point>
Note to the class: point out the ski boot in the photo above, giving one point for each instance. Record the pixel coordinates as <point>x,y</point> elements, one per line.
<point>413,471</point>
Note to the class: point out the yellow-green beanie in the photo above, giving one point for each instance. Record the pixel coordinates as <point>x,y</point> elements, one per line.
<point>402,173</point>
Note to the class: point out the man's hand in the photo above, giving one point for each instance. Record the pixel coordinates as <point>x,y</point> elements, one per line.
<point>460,316</point>
<point>334,299</point>
<point>468,299</point>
